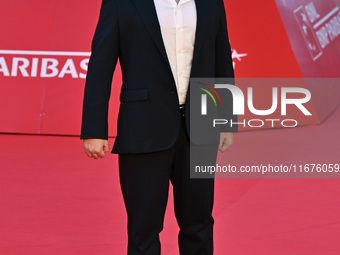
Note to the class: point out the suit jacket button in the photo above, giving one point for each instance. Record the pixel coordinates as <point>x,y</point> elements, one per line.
<point>173,92</point>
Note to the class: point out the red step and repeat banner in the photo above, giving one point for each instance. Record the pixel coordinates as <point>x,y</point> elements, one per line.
<point>45,47</point>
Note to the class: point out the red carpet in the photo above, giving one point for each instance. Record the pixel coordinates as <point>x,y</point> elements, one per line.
<point>53,200</point>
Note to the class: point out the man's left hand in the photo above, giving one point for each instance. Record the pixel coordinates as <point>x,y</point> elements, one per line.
<point>226,140</point>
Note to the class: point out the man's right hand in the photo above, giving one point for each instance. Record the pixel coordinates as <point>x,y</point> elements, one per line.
<point>96,148</point>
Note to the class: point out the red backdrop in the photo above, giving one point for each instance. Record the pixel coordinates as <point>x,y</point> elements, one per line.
<point>45,45</point>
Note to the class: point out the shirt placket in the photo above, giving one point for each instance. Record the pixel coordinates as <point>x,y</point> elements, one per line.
<point>179,50</point>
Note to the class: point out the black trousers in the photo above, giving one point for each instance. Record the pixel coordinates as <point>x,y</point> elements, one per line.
<point>145,181</point>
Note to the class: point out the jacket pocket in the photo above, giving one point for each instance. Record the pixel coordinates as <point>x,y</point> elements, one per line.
<point>133,95</point>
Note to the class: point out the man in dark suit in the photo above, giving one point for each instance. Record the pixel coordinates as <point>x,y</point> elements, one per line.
<point>160,45</point>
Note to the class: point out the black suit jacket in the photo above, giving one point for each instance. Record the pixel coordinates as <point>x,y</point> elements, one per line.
<point>149,116</point>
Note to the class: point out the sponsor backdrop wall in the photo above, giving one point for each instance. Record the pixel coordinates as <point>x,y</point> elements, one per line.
<point>45,47</point>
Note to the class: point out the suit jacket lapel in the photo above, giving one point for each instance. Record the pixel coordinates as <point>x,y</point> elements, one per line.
<point>203,9</point>
<point>147,12</point>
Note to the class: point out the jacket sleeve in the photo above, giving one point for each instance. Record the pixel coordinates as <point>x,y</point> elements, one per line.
<point>224,69</point>
<point>102,63</point>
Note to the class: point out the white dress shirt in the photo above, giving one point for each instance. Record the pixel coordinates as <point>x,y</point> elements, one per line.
<point>178,28</point>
